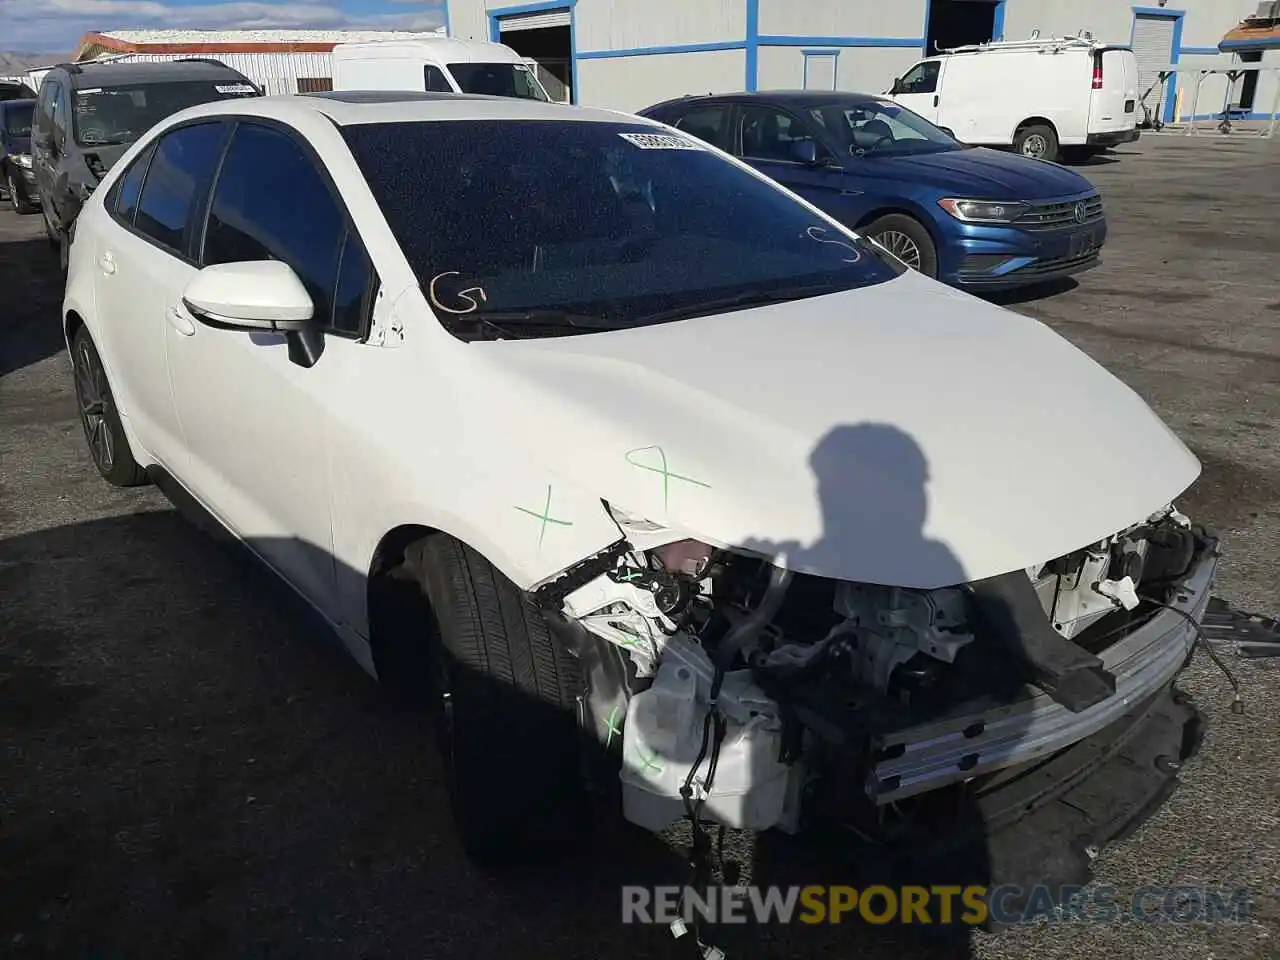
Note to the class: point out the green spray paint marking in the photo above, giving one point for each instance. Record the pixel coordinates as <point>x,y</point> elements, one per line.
<point>649,764</point>
<point>663,471</point>
<point>612,725</point>
<point>544,518</point>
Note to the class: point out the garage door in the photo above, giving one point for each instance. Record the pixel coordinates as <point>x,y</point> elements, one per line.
<point>533,21</point>
<point>1153,48</point>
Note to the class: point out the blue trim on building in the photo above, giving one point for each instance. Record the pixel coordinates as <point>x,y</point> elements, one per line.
<point>448,28</point>
<point>752,44</point>
<point>1235,117</point>
<point>997,27</point>
<point>1199,51</point>
<point>924,33</point>
<point>544,6</point>
<point>777,40</point>
<point>1179,18</point>
<point>657,51</point>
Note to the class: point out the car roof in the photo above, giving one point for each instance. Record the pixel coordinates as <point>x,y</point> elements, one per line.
<point>355,107</point>
<point>157,71</point>
<point>796,99</point>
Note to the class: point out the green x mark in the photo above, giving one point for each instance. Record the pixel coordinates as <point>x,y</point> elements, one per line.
<point>612,726</point>
<point>545,517</point>
<point>648,764</point>
<point>663,471</point>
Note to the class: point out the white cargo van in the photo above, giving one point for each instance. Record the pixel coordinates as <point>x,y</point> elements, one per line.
<point>1045,98</point>
<point>435,64</point>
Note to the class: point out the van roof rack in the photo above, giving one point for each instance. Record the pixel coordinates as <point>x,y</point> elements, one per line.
<point>1083,40</point>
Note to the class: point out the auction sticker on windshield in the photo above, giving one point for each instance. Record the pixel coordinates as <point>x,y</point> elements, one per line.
<point>234,88</point>
<point>659,141</point>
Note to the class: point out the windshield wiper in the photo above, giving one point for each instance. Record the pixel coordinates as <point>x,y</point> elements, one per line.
<point>741,301</point>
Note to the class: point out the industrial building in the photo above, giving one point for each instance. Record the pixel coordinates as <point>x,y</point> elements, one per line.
<point>626,54</point>
<point>278,61</point>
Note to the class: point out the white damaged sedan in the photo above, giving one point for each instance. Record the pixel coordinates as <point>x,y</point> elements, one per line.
<point>645,472</point>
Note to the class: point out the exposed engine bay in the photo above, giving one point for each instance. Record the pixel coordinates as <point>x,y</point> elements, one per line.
<point>760,698</point>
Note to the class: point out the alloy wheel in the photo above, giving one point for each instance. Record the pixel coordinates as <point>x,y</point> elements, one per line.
<point>902,247</point>
<point>94,398</point>
<point>13,194</point>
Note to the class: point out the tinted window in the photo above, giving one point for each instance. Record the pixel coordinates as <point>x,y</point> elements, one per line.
<point>497,80</point>
<point>123,113</point>
<point>434,80</point>
<point>770,134</point>
<point>355,283</point>
<point>708,123</point>
<point>922,78</point>
<point>180,168</point>
<point>44,106</point>
<point>130,187</point>
<point>614,222</point>
<point>271,203</point>
<point>17,119</point>
<point>881,127</point>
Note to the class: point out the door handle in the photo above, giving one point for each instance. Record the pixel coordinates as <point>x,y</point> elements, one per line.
<point>107,263</point>
<point>935,101</point>
<point>180,322</point>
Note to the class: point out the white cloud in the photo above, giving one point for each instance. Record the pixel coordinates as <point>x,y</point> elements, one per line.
<point>57,25</point>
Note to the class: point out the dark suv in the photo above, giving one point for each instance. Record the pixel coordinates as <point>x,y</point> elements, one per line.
<point>88,114</point>
<point>17,180</point>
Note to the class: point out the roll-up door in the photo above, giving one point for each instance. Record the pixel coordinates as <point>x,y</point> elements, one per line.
<point>1153,49</point>
<point>532,21</point>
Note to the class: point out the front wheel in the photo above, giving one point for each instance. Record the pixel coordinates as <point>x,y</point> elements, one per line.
<point>1038,141</point>
<point>100,418</point>
<point>18,198</point>
<point>506,697</point>
<point>907,239</point>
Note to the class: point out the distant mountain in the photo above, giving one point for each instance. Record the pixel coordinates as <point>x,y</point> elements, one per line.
<point>14,63</point>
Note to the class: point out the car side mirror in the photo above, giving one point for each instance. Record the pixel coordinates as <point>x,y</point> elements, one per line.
<point>949,132</point>
<point>806,151</point>
<point>897,86</point>
<point>260,296</point>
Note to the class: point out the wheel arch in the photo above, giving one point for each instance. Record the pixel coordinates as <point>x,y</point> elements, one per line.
<point>72,321</point>
<point>1037,121</point>
<point>902,210</point>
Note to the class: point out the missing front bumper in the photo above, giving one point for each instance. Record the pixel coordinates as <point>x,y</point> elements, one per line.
<point>993,737</point>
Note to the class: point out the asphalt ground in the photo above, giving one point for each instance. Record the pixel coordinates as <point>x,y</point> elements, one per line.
<point>189,770</point>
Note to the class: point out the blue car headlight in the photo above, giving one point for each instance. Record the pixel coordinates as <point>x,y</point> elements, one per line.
<point>983,211</point>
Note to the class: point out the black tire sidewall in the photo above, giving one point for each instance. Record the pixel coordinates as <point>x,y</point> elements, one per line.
<point>124,470</point>
<point>914,229</point>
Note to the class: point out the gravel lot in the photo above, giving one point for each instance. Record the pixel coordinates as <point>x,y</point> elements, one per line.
<point>189,770</point>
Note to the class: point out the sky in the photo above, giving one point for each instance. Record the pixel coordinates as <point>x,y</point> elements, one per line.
<point>55,26</point>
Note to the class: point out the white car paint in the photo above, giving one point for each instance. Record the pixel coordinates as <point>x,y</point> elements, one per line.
<point>1032,449</point>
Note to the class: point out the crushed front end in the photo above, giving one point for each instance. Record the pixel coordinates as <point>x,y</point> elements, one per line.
<point>736,691</point>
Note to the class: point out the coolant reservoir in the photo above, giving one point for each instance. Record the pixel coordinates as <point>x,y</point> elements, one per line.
<point>661,740</point>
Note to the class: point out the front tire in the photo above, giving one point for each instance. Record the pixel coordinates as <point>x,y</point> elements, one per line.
<point>1038,141</point>
<point>100,418</point>
<point>907,239</point>
<point>18,198</point>
<point>506,699</point>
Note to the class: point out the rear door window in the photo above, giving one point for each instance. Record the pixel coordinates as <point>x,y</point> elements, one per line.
<point>710,124</point>
<point>130,187</point>
<point>178,175</point>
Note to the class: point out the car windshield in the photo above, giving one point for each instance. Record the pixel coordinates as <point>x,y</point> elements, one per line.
<point>17,119</point>
<point>497,80</point>
<point>882,128</point>
<point>534,226</point>
<point>121,114</point>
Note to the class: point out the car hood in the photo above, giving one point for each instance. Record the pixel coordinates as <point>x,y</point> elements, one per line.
<point>979,173</point>
<point>902,434</point>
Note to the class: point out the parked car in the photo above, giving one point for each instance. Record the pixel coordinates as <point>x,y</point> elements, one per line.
<point>17,179</point>
<point>1048,99</point>
<point>607,446</point>
<point>435,65</point>
<point>974,218</point>
<point>15,90</point>
<point>88,114</point>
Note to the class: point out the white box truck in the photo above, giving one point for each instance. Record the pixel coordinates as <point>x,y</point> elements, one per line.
<point>1068,97</point>
<point>437,65</point>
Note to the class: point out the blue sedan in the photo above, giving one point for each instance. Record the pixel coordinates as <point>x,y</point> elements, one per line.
<point>972,217</point>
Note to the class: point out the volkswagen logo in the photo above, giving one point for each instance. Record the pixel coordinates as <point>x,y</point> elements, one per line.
<point>1082,212</point>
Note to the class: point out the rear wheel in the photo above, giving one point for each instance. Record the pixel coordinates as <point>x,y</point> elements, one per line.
<point>505,695</point>
<point>907,239</point>
<point>1038,141</point>
<point>103,432</point>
